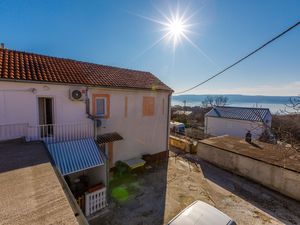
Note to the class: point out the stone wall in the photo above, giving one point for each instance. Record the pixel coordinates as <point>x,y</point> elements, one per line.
<point>278,178</point>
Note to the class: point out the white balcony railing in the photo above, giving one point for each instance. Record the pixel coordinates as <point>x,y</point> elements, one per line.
<point>95,201</point>
<point>49,132</point>
<point>12,131</point>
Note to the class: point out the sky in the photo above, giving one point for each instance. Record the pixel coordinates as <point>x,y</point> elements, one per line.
<point>126,33</point>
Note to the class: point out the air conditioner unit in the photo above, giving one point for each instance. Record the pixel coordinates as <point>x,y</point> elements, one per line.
<point>77,93</point>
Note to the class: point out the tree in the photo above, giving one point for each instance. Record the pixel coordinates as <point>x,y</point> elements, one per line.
<point>294,103</point>
<point>212,101</point>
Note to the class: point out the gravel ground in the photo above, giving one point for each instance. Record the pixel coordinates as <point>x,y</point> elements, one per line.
<point>162,191</point>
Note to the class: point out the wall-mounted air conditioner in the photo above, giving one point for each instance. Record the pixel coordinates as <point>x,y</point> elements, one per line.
<point>77,93</point>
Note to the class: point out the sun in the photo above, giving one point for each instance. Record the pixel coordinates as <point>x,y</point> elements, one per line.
<point>177,27</point>
<point>175,30</point>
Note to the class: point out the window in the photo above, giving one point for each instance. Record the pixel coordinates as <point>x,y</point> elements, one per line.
<point>101,105</point>
<point>148,106</point>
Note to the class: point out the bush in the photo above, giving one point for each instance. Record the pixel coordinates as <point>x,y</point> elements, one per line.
<point>121,168</point>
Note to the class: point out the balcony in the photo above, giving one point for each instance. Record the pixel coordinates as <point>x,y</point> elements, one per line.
<point>48,133</point>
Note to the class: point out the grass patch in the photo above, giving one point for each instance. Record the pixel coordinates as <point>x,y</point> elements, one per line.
<point>123,187</point>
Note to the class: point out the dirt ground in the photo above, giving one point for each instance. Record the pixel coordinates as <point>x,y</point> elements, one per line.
<point>158,194</point>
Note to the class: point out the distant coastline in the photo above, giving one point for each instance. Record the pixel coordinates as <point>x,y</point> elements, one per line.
<point>274,103</point>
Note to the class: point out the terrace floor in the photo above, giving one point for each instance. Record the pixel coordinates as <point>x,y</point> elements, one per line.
<point>30,191</point>
<point>158,194</point>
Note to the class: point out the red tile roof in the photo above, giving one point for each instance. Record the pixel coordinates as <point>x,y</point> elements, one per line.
<point>23,66</point>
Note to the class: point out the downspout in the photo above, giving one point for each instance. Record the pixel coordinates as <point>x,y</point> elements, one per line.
<point>87,110</point>
<point>90,116</point>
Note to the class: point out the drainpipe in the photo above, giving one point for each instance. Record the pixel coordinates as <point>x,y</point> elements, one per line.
<point>87,110</point>
<point>90,116</point>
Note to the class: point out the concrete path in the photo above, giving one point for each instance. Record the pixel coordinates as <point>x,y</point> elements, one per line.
<point>161,192</point>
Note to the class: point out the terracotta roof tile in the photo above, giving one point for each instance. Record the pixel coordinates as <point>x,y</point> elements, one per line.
<point>16,65</point>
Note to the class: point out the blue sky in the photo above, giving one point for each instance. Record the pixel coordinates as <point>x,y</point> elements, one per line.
<point>117,33</point>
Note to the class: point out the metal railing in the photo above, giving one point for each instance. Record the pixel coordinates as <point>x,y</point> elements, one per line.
<point>49,132</point>
<point>13,131</point>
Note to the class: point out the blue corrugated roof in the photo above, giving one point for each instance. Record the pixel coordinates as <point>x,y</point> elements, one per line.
<point>239,113</point>
<point>76,155</point>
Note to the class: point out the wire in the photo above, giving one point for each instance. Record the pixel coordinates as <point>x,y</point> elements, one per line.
<point>242,59</point>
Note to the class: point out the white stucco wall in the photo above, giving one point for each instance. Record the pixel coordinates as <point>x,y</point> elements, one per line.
<point>238,128</point>
<point>142,134</point>
<point>19,105</point>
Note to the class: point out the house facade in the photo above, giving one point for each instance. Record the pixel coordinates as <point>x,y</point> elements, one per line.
<point>89,116</point>
<point>125,112</point>
<point>237,121</point>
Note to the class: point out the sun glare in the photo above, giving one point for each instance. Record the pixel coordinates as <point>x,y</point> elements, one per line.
<point>175,30</point>
<point>177,27</point>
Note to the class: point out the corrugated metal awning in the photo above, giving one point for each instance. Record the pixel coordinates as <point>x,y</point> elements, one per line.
<point>77,155</point>
<point>109,137</point>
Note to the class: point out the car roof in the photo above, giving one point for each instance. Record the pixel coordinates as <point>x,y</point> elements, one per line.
<point>200,213</point>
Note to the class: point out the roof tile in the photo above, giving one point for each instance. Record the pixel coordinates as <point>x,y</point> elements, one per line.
<point>16,65</point>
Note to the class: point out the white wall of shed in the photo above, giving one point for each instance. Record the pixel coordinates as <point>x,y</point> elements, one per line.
<point>238,128</point>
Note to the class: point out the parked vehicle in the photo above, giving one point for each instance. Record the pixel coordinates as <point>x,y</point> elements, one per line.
<point>201,213</point>
<point>177,127</point>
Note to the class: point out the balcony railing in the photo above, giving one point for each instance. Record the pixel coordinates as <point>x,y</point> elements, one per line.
<point>12,131</point>
<point>49,132</point>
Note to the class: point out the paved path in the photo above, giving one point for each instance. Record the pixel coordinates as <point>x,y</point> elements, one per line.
<point>160,193</point>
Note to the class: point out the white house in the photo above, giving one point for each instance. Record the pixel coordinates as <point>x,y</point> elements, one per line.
<point>237,121</point>
<point>74,106</point>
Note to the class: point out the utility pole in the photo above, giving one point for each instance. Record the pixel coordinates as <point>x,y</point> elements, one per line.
<point>184,106</point>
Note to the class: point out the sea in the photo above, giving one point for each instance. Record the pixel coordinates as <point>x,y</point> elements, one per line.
<point>276,104</point>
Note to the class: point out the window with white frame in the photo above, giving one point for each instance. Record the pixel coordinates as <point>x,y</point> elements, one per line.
<point>101,105</point>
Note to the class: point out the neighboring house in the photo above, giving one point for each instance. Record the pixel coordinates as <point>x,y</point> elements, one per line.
<point>236,121</point>
<point>182,112</point>
<point>70,104</point>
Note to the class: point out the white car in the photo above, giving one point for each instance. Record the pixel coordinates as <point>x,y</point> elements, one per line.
<point>201,213</point>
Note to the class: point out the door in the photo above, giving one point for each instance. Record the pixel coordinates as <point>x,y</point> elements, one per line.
<point>46,121</point>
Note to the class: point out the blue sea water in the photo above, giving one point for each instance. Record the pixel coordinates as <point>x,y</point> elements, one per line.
<point>274,107</point>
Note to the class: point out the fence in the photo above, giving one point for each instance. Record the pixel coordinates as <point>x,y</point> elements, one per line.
<point>47,133</point>
<point>95,201</point>
<point>12,131</point>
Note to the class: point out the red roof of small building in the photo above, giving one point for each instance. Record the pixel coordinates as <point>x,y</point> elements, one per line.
<point>23,66</point>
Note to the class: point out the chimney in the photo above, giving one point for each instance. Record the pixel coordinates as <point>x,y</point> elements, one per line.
<point>2,46</point>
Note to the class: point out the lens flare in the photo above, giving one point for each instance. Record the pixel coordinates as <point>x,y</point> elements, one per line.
<point>175,29</point>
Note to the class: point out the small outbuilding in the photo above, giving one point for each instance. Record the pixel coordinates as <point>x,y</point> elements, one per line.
<point>237,121</point>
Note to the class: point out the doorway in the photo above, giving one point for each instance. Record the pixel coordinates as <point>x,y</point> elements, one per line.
<point>45,105</point>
